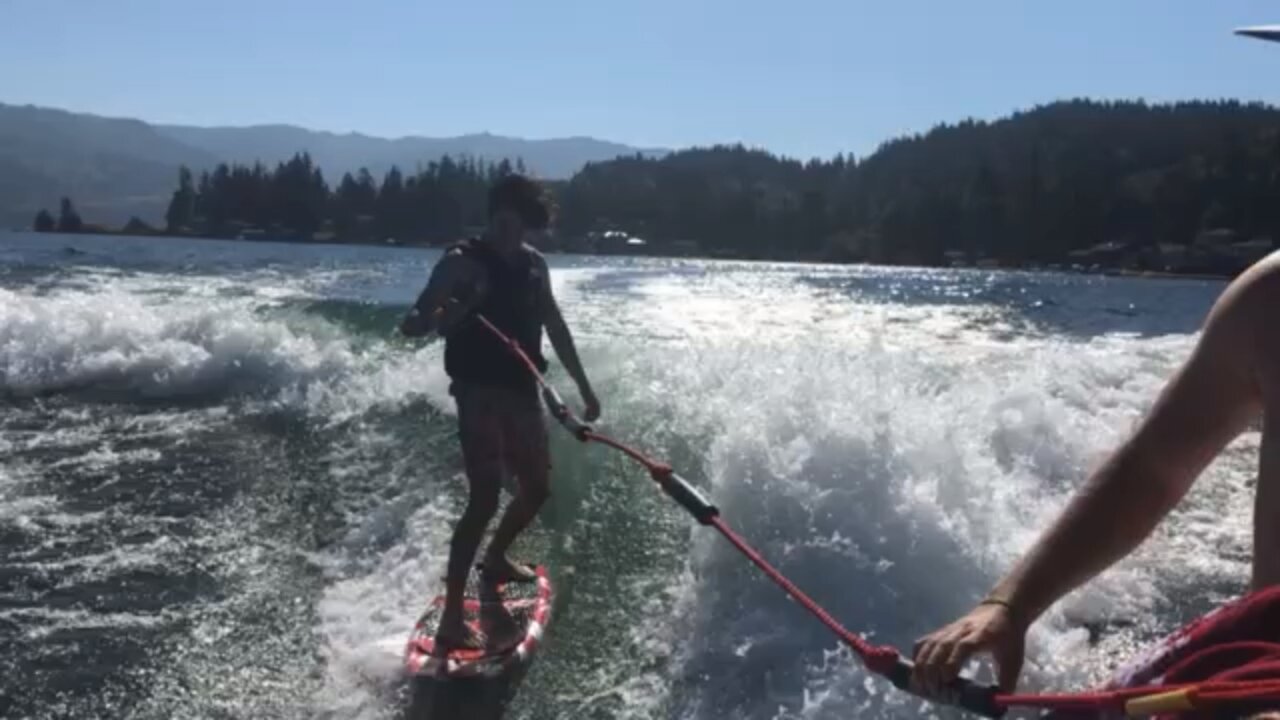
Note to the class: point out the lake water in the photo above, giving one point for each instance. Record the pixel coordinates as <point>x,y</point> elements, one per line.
<point>227,485</point>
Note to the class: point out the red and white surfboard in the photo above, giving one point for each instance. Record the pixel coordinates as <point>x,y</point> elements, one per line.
<point>529,604</point>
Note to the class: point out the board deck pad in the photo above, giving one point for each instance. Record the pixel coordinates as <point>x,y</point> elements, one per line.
<point>529,605</point>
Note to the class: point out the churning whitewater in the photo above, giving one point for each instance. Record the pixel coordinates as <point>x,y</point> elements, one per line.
<point>228,485</point>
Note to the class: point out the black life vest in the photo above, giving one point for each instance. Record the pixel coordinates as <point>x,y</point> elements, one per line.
<point>513,302</point>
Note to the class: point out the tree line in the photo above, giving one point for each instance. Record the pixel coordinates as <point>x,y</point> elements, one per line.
<point>1033,187</point>
<point>437,202</point>
<point>294,202</point>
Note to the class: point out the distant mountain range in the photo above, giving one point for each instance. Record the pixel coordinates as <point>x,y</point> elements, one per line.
<point>114,168</point>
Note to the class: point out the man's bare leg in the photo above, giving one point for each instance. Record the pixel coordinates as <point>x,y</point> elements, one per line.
<point>482,450</point>
<point>453,632</point>
<point>499,625</point>
<point>520,513</point>
<point>526,437</point>
<point>497,622</point>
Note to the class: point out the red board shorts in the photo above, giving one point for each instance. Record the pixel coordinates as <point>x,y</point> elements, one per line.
<point>1237,641</point>
<point>501,429</point>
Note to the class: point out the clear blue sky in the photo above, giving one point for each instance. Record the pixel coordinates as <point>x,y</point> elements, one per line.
<point>798,77</point>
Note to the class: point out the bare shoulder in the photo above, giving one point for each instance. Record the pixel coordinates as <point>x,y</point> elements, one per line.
<point>1256,298</point>
<point>1240,321</point>
<point>1264,273</point>
<point>1215,393</point>
<point>1252,297</point>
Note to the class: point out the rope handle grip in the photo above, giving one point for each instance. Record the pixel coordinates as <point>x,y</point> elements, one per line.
<point>684,493</point>
<point>560,411</point>
<point>961,692</point>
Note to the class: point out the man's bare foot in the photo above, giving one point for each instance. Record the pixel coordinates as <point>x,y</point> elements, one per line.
<point>457,635</point>
<point>499,569</point>
<point>501,629</point>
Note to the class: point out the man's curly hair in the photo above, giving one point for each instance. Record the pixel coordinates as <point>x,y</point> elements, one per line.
<point>523,196</point>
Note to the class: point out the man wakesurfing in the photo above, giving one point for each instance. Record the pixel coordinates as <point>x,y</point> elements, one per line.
<point>500,421</point>
<point>1230,380</point>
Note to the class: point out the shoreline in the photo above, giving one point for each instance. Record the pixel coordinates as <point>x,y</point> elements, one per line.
<point>1030,268</point>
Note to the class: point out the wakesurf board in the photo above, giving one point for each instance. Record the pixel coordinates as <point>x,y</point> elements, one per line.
<point>527,604</point>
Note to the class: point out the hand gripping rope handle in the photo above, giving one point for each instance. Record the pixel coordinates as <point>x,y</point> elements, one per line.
<point>984,700</point>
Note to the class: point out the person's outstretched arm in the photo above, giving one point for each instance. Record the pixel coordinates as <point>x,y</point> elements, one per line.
<point>1209,401</point>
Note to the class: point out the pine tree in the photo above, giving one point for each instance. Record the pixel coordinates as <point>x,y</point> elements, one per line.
<point>68,219</point>
<point>387,208</point>
<point>44,222</point>
<point>182,206</point>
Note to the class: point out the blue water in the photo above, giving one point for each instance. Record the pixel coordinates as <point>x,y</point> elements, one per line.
<point>228,486</point>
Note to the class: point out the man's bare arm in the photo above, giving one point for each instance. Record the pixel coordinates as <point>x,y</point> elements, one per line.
<point>562,342</point>
<point>1209,401</point>
<point>432,311</point>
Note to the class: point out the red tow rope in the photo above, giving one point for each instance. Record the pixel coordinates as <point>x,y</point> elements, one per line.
<point>885,660</point>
